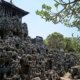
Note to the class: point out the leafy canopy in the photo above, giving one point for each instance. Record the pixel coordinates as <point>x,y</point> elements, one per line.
<point>68,12</point>
<point>55,41</point>
<point>58,41</point>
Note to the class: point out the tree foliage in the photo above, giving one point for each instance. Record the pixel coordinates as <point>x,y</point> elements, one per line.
<point>58,41</point>
<point>68,12</point>
<point>55,41</point>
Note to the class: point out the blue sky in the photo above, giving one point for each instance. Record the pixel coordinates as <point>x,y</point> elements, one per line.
<point>36,25</point>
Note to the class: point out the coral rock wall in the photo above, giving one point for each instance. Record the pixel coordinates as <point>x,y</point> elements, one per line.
<point>24,58</point>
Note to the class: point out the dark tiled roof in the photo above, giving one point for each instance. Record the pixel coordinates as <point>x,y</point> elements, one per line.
<point>7,4</point>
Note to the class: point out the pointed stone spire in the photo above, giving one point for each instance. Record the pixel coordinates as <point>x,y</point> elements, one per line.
<point>11,1</point>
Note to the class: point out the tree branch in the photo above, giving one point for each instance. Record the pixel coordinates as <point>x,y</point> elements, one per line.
<point>66,3</point>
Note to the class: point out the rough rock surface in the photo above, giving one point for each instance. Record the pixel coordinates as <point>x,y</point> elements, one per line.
<point>24,58</point>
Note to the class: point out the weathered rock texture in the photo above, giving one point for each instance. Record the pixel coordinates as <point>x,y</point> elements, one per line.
<point>24,58</point>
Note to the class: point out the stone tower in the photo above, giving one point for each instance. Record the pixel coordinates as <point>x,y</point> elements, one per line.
<point>11,20</point>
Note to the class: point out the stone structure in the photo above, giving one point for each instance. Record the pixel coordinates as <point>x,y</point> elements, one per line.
<point>37,40</point>
<point>24,58</point>
<point>10,10</point>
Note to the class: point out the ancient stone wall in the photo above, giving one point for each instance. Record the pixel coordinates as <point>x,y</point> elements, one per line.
<point>24,58</point>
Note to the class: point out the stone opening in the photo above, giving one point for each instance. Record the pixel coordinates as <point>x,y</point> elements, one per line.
<point>49,63</point>
<point>25,67</point>
<point>2,34</point>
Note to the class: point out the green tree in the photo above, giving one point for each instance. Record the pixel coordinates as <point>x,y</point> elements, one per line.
<point>68,12</point>
<point>55,41</point>
<point>72,44</point>
<point>69,44</point>
<point>76,44</point>
<point>58,41</point>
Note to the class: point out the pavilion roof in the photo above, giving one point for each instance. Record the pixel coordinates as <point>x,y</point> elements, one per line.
<point>21,11</point>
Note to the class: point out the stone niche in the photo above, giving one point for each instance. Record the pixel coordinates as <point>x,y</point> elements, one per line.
<point>37,40</point>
